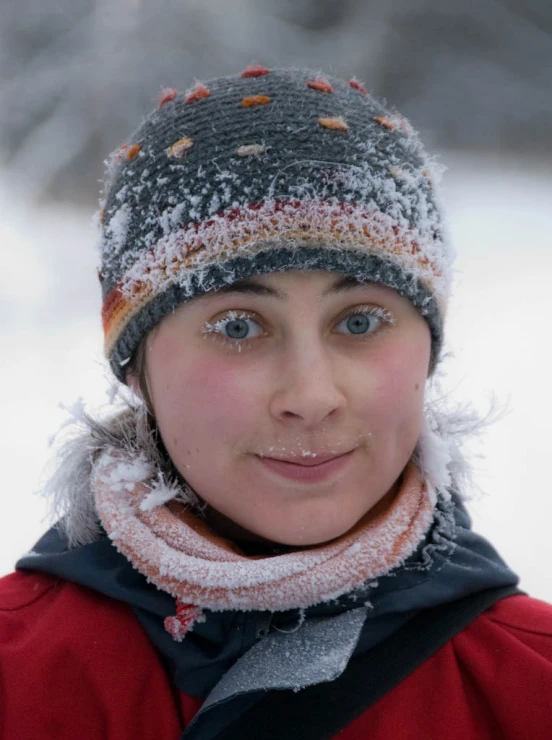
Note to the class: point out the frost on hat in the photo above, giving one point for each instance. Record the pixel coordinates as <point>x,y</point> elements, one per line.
<point>267,171</point>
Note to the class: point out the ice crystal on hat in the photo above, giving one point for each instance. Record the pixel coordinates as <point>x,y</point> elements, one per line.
<point>267,159</point>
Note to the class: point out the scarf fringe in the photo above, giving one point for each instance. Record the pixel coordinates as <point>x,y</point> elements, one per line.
<point>187,616</point>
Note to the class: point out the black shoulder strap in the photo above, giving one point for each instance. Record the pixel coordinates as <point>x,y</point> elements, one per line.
<point>319,712</point>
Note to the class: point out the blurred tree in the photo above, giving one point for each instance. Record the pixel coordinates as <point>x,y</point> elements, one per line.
<point>538,13</point>
<point>315,15</point>
<point>473,76</point>
<point>77,75</point>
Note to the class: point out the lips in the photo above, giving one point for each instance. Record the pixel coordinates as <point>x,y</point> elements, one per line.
<point>308,462</point>
<point>307,472</point>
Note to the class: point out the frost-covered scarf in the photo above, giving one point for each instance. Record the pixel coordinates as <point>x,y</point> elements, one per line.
<point>250,623</point>
<point>181,555</point>
<point>235,631</point>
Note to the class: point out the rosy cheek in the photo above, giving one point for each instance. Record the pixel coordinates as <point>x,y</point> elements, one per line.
<point>217,392</point>
<point>398,380</point>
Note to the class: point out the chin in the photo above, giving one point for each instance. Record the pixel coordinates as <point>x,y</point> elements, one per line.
<point>320,524</point>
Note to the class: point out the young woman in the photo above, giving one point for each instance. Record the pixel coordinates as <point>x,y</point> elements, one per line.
<point>270,542</point>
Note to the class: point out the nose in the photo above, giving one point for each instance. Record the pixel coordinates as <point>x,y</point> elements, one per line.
<point>308,389</point>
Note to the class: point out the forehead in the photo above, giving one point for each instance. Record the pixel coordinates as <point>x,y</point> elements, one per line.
<point>282,285</point>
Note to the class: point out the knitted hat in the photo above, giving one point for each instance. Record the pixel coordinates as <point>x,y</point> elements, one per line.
<point>267,171</point>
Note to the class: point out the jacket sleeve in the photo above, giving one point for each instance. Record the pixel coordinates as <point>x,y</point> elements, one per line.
<point>492,680</point>
<point>74,663</point>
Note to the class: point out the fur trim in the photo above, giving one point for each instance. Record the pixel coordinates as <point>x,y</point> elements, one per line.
<point>69,489</point>
<point>442,453</point>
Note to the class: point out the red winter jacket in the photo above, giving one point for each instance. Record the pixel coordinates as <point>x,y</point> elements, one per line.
<point>76,664</point>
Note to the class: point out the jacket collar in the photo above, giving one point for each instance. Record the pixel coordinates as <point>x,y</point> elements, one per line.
<point>449,562</point>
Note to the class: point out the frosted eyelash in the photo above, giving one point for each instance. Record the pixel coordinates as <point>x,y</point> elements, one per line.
<point>209,328</point>
<point>218,326</point>
<point>378,312</point>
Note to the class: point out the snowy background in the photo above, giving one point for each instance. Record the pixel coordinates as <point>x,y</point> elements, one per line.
<point>77,75</point>
<point>499,330</point>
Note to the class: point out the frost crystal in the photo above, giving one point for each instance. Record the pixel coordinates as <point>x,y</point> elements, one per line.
<point>198,568</point>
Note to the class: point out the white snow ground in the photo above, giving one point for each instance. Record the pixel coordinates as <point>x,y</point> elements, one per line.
<point>499,330</point>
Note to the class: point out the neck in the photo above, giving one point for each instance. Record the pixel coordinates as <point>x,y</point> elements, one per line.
<point>254,544</point>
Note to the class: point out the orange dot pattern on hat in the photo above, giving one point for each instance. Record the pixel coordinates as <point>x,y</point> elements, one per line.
<point>168,94</point>
<point>132,151</point>
<point>198,92</point>
<point>385,122</point>
<point>356,85</point>
<point>255,70</point>
<point>334,123</point>
<point>210,178</point>
<point>252,100</point>
<point>247,150</point>
<point>180,147</point>
<point>320,84</point>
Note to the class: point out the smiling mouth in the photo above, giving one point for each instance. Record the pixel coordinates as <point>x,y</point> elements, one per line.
<point>311,462</point>
<point>306,471</point>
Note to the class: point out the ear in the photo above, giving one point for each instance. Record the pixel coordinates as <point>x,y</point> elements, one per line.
<point>133,384</point>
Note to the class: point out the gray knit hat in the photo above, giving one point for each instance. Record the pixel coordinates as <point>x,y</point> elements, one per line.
<point>267,171</point>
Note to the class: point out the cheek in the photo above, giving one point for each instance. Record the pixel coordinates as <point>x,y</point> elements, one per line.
<point>396,394</point>
<point>221,389</point>
<point>206,396</point>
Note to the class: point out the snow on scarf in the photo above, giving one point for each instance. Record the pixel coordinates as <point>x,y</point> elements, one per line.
<point>181,555</point>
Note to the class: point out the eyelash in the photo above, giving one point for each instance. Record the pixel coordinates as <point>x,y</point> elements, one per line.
<point>215,331</point>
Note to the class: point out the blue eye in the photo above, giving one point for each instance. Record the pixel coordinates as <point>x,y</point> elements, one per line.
<point>236,330</point>
<point>360,323</point>
<point>233,329</point>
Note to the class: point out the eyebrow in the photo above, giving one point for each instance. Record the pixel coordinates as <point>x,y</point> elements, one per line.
<point>248,287</point>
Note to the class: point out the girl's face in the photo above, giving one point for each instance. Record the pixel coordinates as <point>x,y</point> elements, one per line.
<point>301,365</point>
